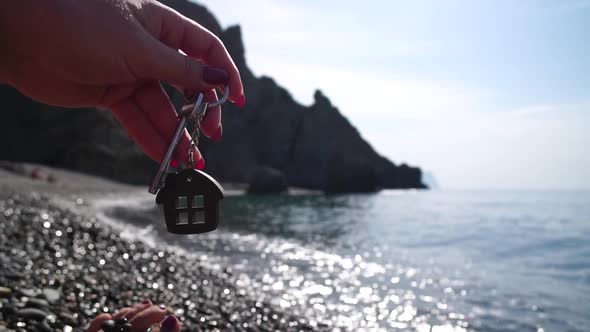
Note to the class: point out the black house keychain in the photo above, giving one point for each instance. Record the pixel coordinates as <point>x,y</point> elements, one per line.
<point>190,197</point>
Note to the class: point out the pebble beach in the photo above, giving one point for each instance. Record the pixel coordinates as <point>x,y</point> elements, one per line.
<point>61,266</point>
<point>73,246</point>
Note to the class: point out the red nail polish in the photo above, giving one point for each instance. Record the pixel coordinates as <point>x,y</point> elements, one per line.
<point>241,101</point>
<point>201,164</point>
<point>174,163</point>
<point>218,133</point>
<point>147,301</point>
<point>169,324</point>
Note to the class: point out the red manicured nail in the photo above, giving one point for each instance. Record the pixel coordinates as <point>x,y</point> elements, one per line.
<point>201,164</point>
<point>148,301</point>
<point>169,324</point>
<point>215,75</point>
<point>218,133</point>
<point>174,163</point>
<point>241,101</point>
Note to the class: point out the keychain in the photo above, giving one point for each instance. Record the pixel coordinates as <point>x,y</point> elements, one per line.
<point>190,197</point>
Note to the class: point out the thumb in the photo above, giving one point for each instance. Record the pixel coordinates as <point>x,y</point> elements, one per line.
<point>161,62</point>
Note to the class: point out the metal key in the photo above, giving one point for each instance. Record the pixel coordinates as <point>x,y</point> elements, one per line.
<point>197,110</point>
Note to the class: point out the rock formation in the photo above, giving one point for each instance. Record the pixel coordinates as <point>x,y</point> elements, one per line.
<point>266,180</point>
<point>313,147</point>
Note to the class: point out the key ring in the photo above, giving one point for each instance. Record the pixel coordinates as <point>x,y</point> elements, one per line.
<point>198,111</point>
<point>195,112</point>
<point>222,100</point>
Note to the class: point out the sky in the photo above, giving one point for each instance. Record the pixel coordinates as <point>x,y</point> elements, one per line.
<point>488,94</point>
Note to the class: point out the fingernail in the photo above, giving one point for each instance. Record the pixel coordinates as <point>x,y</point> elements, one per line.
<point>217,135</point>
<point>163,306</point>
<point>173,164</point>
<point>241,101</point>
<point>201,164</point>
<point>169,324</point>
<point>215,75</point>
<point>148,301</point>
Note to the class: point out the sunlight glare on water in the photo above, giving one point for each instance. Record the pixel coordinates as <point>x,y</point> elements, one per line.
<point>435,261</point>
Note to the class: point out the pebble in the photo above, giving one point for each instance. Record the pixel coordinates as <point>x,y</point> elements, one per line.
<point>9,309</point>
<point>5,291</point>
<point>32,314</point>
<point>51,295</point>
<point>90,269</point>
<point>27,292</point>
<point>37,303</point>
<point>44,327</point>
<point>13,275</point>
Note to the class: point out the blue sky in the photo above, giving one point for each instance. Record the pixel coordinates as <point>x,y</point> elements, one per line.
<point>483,94</point>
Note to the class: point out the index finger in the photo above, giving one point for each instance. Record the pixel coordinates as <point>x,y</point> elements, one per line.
<point>180,32</point>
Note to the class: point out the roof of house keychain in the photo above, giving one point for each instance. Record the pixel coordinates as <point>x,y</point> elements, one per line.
<point>190,197</point>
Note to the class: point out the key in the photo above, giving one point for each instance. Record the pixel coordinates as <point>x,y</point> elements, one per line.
<point>160,175</point>
<point>190,197</point>
<point>198,112</point>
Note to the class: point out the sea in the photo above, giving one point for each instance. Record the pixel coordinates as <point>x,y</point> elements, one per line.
<point>438,260</point>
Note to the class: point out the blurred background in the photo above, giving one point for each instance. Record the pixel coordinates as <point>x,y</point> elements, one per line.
<point>456,87</point>
<point>411,166</point>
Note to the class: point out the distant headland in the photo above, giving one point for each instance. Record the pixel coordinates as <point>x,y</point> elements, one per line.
<point>273,140</point>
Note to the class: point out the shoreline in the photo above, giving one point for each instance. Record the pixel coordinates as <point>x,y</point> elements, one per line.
<point>42,178</point>
<point>62,265</point>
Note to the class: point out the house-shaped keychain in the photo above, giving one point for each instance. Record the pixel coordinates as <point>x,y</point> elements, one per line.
<point>191,202</point>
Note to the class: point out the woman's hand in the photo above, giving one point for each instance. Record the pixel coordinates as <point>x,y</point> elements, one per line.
<point>141,317</point>
<point>113,53</point>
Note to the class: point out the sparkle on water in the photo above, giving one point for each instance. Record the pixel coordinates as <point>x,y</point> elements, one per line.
<point>428,261</point>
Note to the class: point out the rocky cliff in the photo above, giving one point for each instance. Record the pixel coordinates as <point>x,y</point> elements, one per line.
<point>313,147</point>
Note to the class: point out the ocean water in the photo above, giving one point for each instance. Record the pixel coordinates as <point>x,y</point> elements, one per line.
<point>403,260</point>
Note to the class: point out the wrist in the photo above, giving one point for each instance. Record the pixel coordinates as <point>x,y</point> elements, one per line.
<point>15,19</point>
